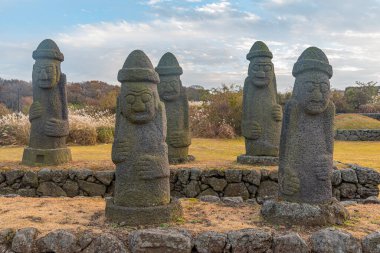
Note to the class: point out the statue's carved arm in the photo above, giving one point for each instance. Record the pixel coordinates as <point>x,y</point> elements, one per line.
<point>120,150</point>
<point>151,167</point>
<point>35,111</point>
<point>56,127</point>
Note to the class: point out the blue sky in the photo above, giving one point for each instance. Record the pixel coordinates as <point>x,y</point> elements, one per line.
<point>210,38</point>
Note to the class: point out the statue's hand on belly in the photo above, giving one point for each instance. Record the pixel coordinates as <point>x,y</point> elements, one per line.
<point>254,131</point>
<point>150,167</point>
<point>291,184</point>
<point>56,127</point>
<point>277,112</point>
<point>322,169</point>
<point>35,111</point>
<point>120,150</point>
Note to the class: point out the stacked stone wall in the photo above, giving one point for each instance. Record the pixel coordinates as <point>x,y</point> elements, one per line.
<point>351,183</point>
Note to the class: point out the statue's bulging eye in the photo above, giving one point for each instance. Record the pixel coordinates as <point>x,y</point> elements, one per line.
<point>130,99</point>
<point>324,87</point>
<point>267,68</point>
<point>146,97</point>
<point>256,67</point>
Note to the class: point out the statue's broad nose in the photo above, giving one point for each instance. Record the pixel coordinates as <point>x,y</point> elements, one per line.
<point>260,74</point>
<point>43,75</point>
<point>138,105</point>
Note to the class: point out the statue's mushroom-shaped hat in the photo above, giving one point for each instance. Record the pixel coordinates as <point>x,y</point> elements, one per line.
<point>138,68</point>
<point>312,58</point>
<point>168,65</point>
<point>48,49</point>
<point>259,49</point>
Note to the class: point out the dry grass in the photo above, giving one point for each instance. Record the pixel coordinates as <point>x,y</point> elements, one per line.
<point>79,214</point>
<point>355,121</point>
<point>209,153</point>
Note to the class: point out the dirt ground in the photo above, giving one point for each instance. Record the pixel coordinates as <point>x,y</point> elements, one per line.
<point>82,214</point>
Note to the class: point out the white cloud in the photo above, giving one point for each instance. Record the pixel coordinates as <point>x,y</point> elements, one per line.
<point>215,8</point>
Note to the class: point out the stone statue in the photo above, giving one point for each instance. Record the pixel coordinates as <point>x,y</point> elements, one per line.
<point>177,108</point>
<point>139,151</point>
<point>48,114</point>
<point>306,149</point>
<point>262,115</point>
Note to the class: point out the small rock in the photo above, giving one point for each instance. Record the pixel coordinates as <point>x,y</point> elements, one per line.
<point>336,178</point>
<point>218,184</point>
<point>232,201</point>
<point>371,243</point>
<point>92,189</point>
<point>289,243</point>
<point>273,175</point>
<point>83,174</point>
<point>332,240</point>
<point>267,190</point>
<point>210,242</point>
<point>192,189</point>
<point>251,201</point>
<point>105,177</point>
<point>59,176</point>
<point>6,236</point>
<point>371,200</point>
<point>105,243</point>
<point>233,176</point>
<point>27,192</point>
<point>249,240</point>
<point>30,178</point>
<point>253,177</point>
<point>50,189</point>
<point>236,190</point>
<point>183,175</point>
<point>209,198</point>
<point>160,240</point>
<point>347,190</point>
<point>44,175</point>
<point>71,188</point>
<point>349,176</point>
<point>58,241</point>
<point>24,240</point>
<point>12,175</point>
<point>208,192</point>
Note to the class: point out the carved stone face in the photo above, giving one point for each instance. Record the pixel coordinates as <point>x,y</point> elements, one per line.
<point>137,103</point>
<point>46,73</point>
<point>169,87</point>
<point>314,91</point>
<point>261,71</point>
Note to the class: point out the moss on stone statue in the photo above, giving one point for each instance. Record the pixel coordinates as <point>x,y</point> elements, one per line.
<point>139,149</point>
<point>262,115</point>
<point>177,108</point>
<point>48,114</point>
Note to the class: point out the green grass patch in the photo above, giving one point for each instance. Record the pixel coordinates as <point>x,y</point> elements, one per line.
<point>353,121</point>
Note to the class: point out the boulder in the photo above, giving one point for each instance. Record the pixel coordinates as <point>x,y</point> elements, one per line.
<point>332,241</point>
<point>210,242</point>
<point>160,241</point>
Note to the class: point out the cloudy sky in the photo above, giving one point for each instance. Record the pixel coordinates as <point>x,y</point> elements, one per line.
<point>209,37</point>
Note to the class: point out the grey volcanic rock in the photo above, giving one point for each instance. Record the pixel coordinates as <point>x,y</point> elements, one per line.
<point>306,150</point>
<point>50,189</point>
<point>160,241</point>
<point>12,175</point>
<point>249,240</point>
<point>232,201</point>
<point>236,190</point>
<point>210,242</point>
<point>30,178</point>
<point>139,151</point>
<point>177,108</point>
<point>24,240</point>
<point>92,189</point>
<point>105,243</point>
<point>283,212</point>
<point>332,241</point>
<point>371,243</point>
<point>218,184</point>
<point>289,243</point>
<point>262,115</point>
<point>58,241</point>
<point>349,176</point>
<point>48,114</point>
